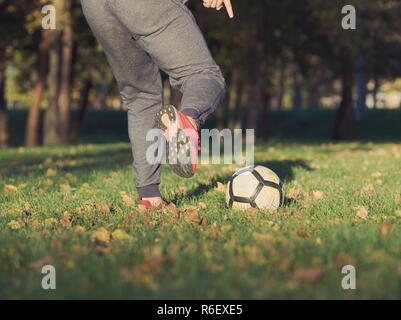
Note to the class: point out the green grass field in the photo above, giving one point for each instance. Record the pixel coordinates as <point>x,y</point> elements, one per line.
<point>74,208</point>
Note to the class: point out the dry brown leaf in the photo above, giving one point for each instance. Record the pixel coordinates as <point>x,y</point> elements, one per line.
<point>318,195</point>
<point>10,189</point>
<point>202,205</point>
<point>142,208</point>
<point>66,221</point>
<point>128,200</point>
<point>398,213</point>
<point>203,221</point>
<point>51,172</point>
<point>361,212</point>
<point>102,208</point>
<point>376,175</point>
<point>302,234</point>
<point>385,229</point>
<point>191,216</point>
<point>39,264</point>
<point>311,275</point>
<point>263,237</point>
<point>345,259</point>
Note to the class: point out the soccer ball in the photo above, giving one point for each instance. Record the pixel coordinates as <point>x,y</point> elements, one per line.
<point>254,187</point>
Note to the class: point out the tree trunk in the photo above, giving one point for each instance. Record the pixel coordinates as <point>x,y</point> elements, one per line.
<point>32,127</point>
<point>4,136</point>
<point>259,70</point>
<point>361,83</point>
<point>280,95</point>
<point>51,133</point>
<point>232,98</point>
<point>82,107</point>
<point>64,100</point>
<point>297,90</point>
<point>264,117</point>
<point>244,92</point>
<point>345,124</point>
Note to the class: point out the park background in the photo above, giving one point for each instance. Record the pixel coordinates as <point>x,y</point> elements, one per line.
<point>325,103</point>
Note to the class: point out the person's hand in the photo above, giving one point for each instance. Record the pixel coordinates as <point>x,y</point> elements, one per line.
<point>219,4</point>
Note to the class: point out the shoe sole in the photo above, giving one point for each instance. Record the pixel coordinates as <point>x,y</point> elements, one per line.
<point>177,149</point>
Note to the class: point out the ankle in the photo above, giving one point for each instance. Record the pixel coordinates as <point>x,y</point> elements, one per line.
<point>154,200</point>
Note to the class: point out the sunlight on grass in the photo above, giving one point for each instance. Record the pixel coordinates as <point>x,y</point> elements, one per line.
<point>75,208</point>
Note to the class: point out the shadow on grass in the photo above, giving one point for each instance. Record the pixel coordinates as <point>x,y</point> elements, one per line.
<point>86,160</point>
<point>284,169</point>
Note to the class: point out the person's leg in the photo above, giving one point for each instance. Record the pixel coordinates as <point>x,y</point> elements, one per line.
<point>139,82</point>
<point>167,30</point>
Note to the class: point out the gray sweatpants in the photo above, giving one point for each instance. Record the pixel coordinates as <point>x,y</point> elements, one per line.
<point>140,37</point>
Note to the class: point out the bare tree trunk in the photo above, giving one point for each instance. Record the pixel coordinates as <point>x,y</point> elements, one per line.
<point>264,117</point>
<point>361,83</point>
<point>280,95</point>
<point>345,124</point>
<point>259,71</point>
<point>32,127</point>
<point>51,133</point>
<point>233,98</point>
<point>82,108</point>
<point>244,94</point>
<point>297,90</point>
<point>4,136</point>
<point>64,100</point>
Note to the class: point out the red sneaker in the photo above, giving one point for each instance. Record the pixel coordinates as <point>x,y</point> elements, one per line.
<point>149,205</point>
<point>182,140</point>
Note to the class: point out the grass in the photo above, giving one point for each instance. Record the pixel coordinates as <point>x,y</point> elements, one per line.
<point>59,206</point>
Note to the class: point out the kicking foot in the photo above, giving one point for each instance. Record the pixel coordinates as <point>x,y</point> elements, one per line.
<point>152,203</point>
<point>181,133</point>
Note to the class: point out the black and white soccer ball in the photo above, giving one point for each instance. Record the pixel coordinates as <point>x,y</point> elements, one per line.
<point>255,187</point>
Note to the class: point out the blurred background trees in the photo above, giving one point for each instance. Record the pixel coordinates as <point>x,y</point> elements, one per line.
<point>276,55</point>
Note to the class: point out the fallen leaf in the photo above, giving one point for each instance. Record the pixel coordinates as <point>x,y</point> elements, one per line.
<point>376,175</point>
<point>14,225</point>
<point>263,237</point>
<point>202,205</point>
<point>10,189</point>
<point>102,208</point>
<point>121,235</point>
<point>311,275</point>
<point>302,234</point>
<point>51,172</point>
<point>384,230</point>
<point>128,200</point>
<point>361,212</point>
<point>39,264</point>
<point>318,195</point>
<point>203,221</point>
<point>101,235</point>
<point>66,221</point>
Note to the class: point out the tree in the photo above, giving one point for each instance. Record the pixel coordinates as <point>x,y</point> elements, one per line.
<point>57,117</point>
<point>32,127</point>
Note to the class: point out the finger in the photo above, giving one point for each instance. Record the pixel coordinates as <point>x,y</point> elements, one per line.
<point>207,3</point>
<point>229,8</point>
<point>214,4</point>
<point>219,4</point>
